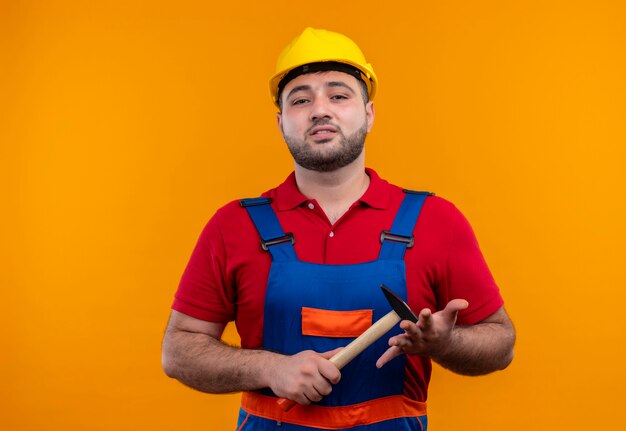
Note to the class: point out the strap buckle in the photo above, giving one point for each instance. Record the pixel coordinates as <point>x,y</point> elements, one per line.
<point>418,192</point>
<point>288,237</point>
<point>386,235</point>
<point>252,202</point>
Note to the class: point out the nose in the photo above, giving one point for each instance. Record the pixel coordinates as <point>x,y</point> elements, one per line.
<point>320,109</point>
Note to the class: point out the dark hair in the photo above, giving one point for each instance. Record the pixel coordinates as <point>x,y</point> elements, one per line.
<point>325,66</point>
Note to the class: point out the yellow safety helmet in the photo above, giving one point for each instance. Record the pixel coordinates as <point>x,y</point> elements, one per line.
<point>321,46</point>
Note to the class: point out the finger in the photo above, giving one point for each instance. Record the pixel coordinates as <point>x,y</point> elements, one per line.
<point>319,388</point>
<point>313,394</point>
<point>400,339</point>
<point>453,307</point>
<point>329,354</point>
<point>329,370</point>
<point>331,373</point>
<point>425,319</point>
<point>389,354</point>
<point>410,328</point>
<point>303,400</point>
<point>323,387</point>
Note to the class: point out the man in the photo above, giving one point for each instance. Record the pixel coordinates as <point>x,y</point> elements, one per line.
<point>299,271</point>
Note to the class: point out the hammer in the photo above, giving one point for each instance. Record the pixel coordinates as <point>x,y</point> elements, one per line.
<point>400,311</point>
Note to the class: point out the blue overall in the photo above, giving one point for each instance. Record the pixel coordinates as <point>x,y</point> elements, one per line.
<point>293,284</point>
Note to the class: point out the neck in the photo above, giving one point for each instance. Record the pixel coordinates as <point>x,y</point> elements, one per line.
<point>334,191</point>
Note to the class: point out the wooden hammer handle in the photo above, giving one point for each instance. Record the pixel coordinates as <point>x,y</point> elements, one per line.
<point>362,342</point>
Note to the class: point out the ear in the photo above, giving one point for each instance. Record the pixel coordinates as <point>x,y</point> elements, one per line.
<point>279,121</point>
<point>369,114</point>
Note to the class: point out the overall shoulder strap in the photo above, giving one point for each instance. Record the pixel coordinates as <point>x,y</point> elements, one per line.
<point>400,237</point>
<point>273,238</point>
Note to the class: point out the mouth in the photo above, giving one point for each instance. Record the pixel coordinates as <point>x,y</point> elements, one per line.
<point>323,132</point>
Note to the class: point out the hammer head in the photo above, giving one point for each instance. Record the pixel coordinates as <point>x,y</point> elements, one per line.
<point>398,305</point>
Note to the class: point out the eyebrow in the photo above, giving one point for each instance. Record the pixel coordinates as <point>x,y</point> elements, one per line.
<point>330,84</point>
<point>340,84</point>
<point>298,88</point>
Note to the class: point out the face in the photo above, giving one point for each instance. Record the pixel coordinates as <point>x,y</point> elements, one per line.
<point>324,120</point>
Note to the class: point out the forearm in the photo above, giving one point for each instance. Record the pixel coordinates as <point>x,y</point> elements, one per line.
<point>208,365</point>
<point>478,349</point>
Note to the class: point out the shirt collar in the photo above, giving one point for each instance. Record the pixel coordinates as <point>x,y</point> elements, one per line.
<point>378,193</point>
<point>376,196</point>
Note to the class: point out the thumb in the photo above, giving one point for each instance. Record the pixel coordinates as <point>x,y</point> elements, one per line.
<point>454,306</point>
<point>331,353</point>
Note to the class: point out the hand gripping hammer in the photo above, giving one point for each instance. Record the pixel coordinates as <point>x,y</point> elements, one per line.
<point>400,311</point>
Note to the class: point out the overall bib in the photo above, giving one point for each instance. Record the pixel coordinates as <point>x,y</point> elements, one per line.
<point>320,307</point>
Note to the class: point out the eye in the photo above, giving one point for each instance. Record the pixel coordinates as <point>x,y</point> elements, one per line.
<point>338,97</point>
<point>299,101</point>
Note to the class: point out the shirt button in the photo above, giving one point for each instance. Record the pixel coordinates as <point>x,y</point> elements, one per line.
<point>311,206</point>
<point>331,234</point>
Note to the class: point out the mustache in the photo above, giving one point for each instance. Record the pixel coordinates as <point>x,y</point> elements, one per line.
<point>323,122</point>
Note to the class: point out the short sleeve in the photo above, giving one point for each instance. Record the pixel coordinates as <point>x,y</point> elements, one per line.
<point>468,276</point>
<point>205,292</point>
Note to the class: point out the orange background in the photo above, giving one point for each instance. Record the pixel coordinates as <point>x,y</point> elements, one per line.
<point>124,125</point>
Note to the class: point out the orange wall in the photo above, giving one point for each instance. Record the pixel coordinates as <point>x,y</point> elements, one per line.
<point>124,125</point>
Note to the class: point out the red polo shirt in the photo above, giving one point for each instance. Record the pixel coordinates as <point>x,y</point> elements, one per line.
<point>226,275</point>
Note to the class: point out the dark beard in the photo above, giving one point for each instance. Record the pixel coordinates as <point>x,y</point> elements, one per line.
<point>348,150</point>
